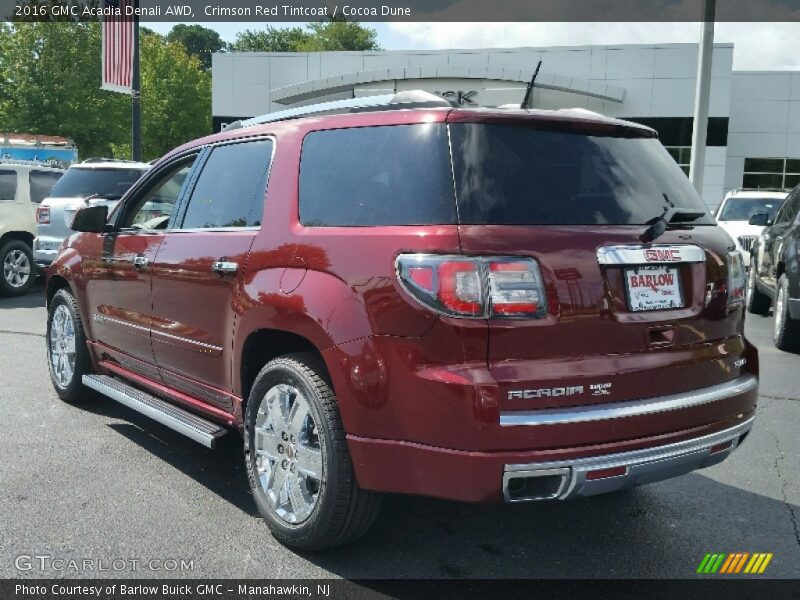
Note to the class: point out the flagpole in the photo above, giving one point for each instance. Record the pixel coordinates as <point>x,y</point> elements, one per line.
<point>136,108</point>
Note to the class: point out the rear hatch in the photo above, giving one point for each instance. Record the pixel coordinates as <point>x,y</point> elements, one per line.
<point>624,319</point>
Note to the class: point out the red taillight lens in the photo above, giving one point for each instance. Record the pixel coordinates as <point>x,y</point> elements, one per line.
<point>43,215</point>
<point>467,286</point>
<point>737,279</point>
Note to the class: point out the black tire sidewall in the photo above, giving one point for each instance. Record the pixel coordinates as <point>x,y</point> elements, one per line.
<point>303,533</point>
<point>5,287</point>
<point>73,391</point>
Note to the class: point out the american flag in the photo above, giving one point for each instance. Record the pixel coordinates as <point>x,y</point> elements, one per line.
<point>117,48</point>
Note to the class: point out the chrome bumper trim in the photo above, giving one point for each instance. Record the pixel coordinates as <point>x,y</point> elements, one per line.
<point>634,408</point>
<point>641,466</point>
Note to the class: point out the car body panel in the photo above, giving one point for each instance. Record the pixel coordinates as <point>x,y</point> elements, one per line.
<point>410,381</point>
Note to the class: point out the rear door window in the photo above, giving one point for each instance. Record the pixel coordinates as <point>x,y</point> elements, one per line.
<point>42,183</point>
<point>368,176</point>
<point>515,175</point>
<point>230,189</point>
<point>8,185</point>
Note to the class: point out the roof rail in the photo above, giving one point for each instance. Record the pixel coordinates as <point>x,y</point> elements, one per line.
<point>400,100</point>
<point>99,159</point>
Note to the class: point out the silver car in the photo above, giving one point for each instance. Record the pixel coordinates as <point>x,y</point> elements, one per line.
<point>94,181</point>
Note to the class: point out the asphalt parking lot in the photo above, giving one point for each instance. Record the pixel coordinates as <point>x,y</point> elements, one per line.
<point>101,481</point>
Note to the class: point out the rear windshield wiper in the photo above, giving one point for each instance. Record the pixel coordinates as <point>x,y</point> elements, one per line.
<point>670,216</point>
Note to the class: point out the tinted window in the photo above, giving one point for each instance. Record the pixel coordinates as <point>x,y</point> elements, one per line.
<point>791,208</point>
<point>230,189</point>
<point>109,183</point>
<point>391,175</point>
<point>8,185</point>
<point>512,175</point>
<point>153,208</point>
<point>41,184</point>
<point>741,208</point>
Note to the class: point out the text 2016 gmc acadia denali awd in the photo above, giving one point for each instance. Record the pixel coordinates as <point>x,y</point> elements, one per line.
<point>481,305</point>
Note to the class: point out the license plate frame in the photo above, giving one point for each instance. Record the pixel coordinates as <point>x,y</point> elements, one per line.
<point>657,296</point>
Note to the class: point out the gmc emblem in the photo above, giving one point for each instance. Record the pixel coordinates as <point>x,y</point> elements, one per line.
<point>662,255</point>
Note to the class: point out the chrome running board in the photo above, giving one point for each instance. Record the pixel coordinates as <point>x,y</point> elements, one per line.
<point>180,420</point>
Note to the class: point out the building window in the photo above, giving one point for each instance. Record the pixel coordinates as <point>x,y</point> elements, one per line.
<point>682,156</point>
<point>778,173</point>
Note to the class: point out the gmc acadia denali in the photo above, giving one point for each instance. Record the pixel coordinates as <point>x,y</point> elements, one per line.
<point>390,294</point>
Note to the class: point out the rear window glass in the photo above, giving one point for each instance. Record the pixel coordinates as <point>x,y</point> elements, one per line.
<point>388,175</point>
<point>42,183</point>
<point>512,175</point>
<point>741,208</point>
<point>108,183</point>
<point>8,185</point>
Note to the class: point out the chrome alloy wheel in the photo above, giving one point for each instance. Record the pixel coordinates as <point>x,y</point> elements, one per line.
<point>62,346</point>
<point>780,303</point>
<point>288,453</point>
<point>16,268</point>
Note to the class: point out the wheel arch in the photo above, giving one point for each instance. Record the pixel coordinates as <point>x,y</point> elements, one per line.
<point>23,236</point>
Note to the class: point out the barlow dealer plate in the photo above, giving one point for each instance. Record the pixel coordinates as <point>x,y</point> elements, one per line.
<point>653,287</point>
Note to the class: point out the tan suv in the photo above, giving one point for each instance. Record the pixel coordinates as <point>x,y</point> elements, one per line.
<point>22,187</point>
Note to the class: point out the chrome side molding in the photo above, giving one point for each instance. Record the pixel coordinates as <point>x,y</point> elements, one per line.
<point>649,254</point>
<point>631,408</point>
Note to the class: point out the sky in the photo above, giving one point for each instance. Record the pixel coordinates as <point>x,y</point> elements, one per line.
<point>757,46</point>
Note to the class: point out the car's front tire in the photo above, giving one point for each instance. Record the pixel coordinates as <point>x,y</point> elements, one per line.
<point>67,355</point>
<point>787,330</point>
<point>297,461</point>
<point>19,271</point>
<point>758,303</point>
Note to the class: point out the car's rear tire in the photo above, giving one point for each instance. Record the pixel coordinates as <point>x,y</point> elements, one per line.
<point>758,303</point>
<point>19,270</point>
<point>68,357</point>
<point>787,330</point>
<point>298,465</point>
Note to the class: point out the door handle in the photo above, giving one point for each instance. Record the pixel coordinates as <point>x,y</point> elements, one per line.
<point>140,261</point>
<point>224,267</point>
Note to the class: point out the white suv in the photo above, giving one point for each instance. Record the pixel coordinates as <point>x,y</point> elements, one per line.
<point>22,188</point>
<point>738,206</point>
<point>91,182</point>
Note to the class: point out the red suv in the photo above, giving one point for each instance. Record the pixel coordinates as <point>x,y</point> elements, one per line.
<point>481,305</point>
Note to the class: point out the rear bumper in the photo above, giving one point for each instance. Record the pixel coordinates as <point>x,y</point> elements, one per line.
<point>563,470</point>
<point>612,472</point>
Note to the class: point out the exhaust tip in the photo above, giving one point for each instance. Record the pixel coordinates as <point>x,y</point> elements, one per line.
<point>528,486</point>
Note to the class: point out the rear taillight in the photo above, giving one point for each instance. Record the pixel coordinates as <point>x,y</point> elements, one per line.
<point>736,279</point>
<point>43,215</point>
<point>471,286</point>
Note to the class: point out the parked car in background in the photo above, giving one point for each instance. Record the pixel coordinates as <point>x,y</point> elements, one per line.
<point>473,304</point>
<point>774,277</point>
<point>95,181</point>
<point>22,188</point>
<point>736,209</point>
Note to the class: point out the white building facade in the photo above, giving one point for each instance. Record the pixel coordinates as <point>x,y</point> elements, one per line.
<point>754,117</point>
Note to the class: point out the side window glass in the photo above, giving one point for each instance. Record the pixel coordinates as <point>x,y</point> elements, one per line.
<point>8,185</point>
<point>42,183</point>
<point>789,209</point>
<point>152,209</point>
<point>230,189</point>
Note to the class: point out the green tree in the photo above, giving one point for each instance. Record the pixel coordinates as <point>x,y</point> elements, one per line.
<point>339,34</point>
<point>334,34</point>
<point>271,39</point>
<point>50,84</point>
<point>199,41</point>
<point>176,98</point>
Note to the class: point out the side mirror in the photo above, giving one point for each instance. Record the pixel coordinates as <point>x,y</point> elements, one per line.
<point>91,219</point>
<point>759,219</point>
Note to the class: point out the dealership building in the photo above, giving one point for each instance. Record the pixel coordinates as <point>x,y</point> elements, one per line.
<point>754,116</point>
